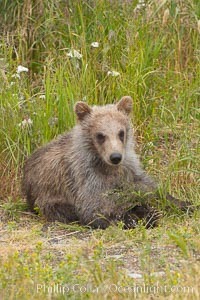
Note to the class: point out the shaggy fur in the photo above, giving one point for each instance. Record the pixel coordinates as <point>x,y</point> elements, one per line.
<point>74,179</point>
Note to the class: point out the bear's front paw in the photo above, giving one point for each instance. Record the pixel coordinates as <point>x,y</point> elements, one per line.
<point>147,215</point>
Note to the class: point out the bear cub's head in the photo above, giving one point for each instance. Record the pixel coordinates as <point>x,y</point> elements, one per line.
<point>107,129</point>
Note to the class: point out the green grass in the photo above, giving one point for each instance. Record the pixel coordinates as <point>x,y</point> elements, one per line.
<point>156,51</point>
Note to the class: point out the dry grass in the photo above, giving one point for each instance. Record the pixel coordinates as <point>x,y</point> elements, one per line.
<point>34,254</point>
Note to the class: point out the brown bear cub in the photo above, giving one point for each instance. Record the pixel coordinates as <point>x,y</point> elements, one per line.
<point>92,174</point>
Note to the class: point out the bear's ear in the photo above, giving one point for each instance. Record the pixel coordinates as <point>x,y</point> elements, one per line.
<point>82,110</point>
<point>125,104</point>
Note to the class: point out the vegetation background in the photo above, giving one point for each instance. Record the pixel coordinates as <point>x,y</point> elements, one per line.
<point>54,53</point>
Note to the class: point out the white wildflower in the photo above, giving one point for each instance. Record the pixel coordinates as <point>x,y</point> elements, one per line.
<point>113,73</point>
<point>141,4</point>
<point>21,69</point>
<point>95,45</point>
<point>26,123</point>
<point>74,54</point>
<point>42,97</point>
<point>12,83</point>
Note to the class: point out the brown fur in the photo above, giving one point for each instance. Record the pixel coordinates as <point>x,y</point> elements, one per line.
<point>73,178</point>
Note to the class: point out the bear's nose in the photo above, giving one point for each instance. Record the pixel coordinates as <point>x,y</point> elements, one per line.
<point>115,158</point>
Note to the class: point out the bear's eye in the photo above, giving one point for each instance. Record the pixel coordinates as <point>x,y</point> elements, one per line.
<point>100,138</point>
<point>121,135</point>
